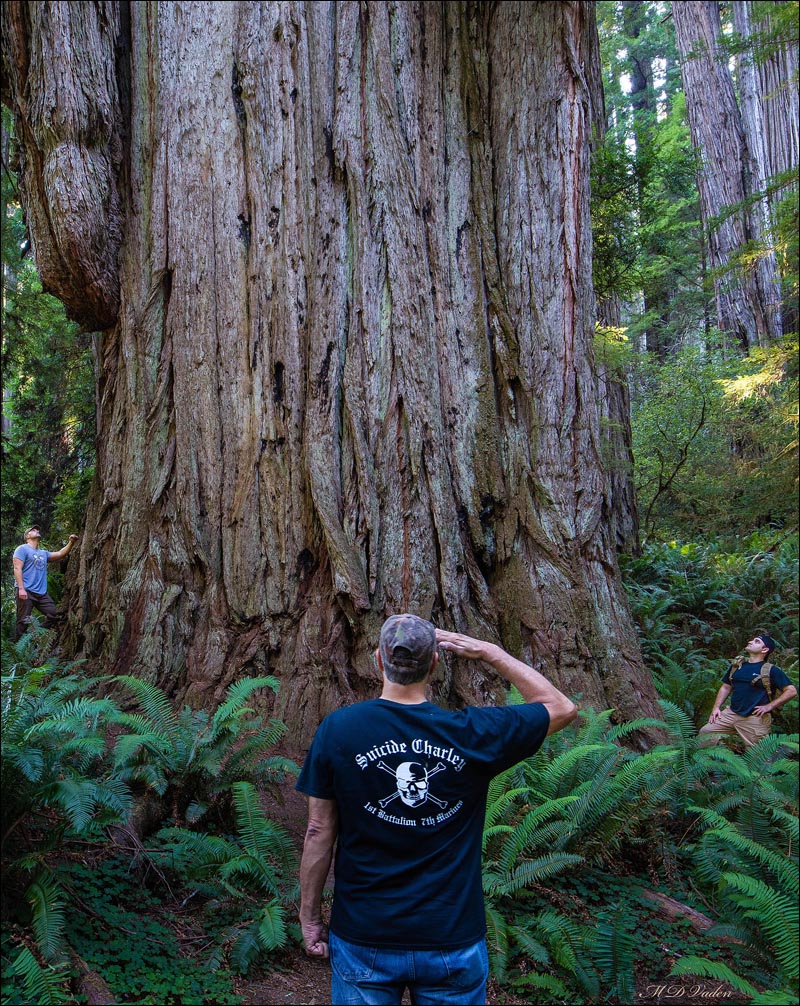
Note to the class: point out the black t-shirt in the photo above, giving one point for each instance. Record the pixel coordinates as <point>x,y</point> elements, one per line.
<point>410,785</point>
<point>747,691</point>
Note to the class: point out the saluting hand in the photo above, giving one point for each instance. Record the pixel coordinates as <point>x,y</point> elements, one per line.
<point>463,646</point>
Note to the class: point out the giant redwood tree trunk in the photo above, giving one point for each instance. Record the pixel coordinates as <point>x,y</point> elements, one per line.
<point>341,256</point>
<point>747,286</point>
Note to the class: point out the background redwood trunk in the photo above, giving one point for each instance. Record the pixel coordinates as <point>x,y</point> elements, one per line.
<point>747,293</point>
<point>350,368</point>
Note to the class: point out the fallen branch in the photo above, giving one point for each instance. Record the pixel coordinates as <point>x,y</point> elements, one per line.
<point>672,909</point>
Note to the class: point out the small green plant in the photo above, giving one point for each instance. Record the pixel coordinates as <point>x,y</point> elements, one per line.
<point>235,876</point>
<point>53,749</point>
<point>64,782</point>
<point>57,787</point>
<point>192,758</point>
<point>146,950</point>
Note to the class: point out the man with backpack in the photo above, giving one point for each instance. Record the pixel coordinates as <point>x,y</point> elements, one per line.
<point>756,687</point>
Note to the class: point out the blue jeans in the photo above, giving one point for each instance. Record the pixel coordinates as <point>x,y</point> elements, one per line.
<point>377,976</point>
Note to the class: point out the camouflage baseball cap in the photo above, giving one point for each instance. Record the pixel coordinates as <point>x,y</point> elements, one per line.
<point>408,642</point>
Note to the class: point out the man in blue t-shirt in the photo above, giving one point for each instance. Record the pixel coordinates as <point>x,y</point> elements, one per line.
<point>754,694</point>
<point>30,579</point>
<point>399,785</point>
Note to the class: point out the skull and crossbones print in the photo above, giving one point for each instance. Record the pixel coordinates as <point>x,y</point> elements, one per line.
<point>411,779</point>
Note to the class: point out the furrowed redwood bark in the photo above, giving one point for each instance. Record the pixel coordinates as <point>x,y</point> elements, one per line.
<point>350,371</point>
<point>748,290</point>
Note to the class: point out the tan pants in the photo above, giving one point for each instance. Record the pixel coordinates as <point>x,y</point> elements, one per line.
<point>750,728</point>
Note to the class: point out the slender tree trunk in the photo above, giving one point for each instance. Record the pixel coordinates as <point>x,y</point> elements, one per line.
<point>747,292</point>
<point>777,71</point>
<point>614,401</point>
<point>348,369</point>
<point>753,127</point>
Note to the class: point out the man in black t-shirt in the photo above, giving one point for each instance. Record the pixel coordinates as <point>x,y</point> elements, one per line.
<point>752,697</point>
<point>399,786</point>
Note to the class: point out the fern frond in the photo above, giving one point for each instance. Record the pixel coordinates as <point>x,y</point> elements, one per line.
<point>563,935</point>
<point>528,945</point>
<point>528,872</point>
<point>614,952</point>
<point>244,872</point>
<point>789,824</point>
<point>493,832</point>
<point>272,933</point>
<point>497,940</point>
<point>705,968</point>
<point>47,907</point>
<point>500,804</point>
<point>615,733</point>
<point>155,704</point>
<point>527,834</point>
<point>29,761</point>
<point>501,784</point>
<point>245,949</point>
<point>774,913</point>
<point>592,725</point>
<point>259,836</point>
<point>45,986</point>
<point>784,869</point>
<point>679,724</point>
<point>578,763</point>
<point>546,982</point>
<point>774,998</point>
<point>76,798</point>
<point>238,693</point>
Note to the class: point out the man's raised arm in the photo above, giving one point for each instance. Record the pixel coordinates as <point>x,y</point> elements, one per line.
<point>62,553</point>
<point>533,686</point>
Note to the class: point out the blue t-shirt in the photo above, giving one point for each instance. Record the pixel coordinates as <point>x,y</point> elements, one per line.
<point>410,785</point>
<point>34,567</point>
<point>747,691</point>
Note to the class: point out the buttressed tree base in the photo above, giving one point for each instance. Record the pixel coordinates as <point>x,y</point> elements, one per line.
<point>340,256</point>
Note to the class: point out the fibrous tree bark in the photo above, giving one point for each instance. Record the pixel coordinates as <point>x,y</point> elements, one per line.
<point>746,281</point>
<point>347,365</point>
<point>778,92</point>
<point>768,72</point>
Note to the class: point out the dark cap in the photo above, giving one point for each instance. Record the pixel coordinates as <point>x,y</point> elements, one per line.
<point>408,643</point>
<point>33,532</point>
<point>768,641</point>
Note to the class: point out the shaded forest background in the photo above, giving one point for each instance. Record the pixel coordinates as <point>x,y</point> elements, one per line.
<point>699,386</point>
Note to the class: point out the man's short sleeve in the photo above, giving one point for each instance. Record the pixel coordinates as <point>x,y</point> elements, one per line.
<point>316,777</point>
<point>19,553</point>
<point>502,736</point>
<point>727,678</point>
<point>778,679</point>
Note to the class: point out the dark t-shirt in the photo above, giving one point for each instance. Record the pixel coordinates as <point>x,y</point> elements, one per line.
<point>410,786</point>
<point>747,691</point>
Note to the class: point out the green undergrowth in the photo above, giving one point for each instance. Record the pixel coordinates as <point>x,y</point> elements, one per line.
<point>138,863</point>
<point>697,603</point>
<point>610,868</point>
<point>589,843</point>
